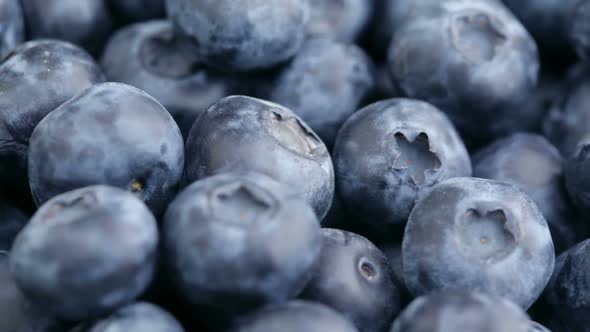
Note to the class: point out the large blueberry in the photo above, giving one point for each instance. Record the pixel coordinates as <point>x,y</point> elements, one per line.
<point>390,152</point>
<point>86,252</point>
<point>111,134</point>
<point>12,26</point>
<point>325,84</point>
<point>235,242</point>
<point>240,133</point>
<point>139,317</point>
<point>472,59</point>
<point>342,20</point>
<point>148,56</point>
<point>293,317</point>
<point>82,22</point>
<point>567,293</point>
<point>577,177</point>
<point>242,35</point>
<point>481,235</point>
<point>12,220</point>
<point>461,311</point>
<point>35,79</point>
<point>354,277</point>
<point>138,10</point>
<point>531,163</point>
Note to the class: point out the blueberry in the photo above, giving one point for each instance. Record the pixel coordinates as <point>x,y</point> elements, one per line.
<point>295,316</point>
<point>481,235</point>
<point>82,22</point>
<point>536,327</point>
<point>568,122</point>
<point>138,10</point>
<point>242,35</point>
<point>12,220</point>
<point>141,316</point>
<point>342,20</point>
<point>240,133</point>
<point>35,79</point>
<point>531,163</point>
<point>235,242</point>
<point>433,57</point>
<point>110,134</point>
<point>390,152</point>
<point>325,84</point>
<point>354,277</point>
<point>580,28</point>
<point>577,177</point>
<point>86,252</point>
<point>12,26</point>
<point>461,311</point>
<point>148,56</point>
<point>567,293</point>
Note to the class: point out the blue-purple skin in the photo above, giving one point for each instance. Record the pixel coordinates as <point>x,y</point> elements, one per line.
<point>86,252</point>
<point>241,133</point>
<point>137,10</point>
<point>568,122</point>
<point>34,80</point>
<point>12,220</point>
<point>536,327</point>
<point>531,163</point>
<point>579,32</point>
<point>567,293</point>
<point>353,277</point>
<point>388,15</point>
<point>236,242</point>
<point>461,311</point>
<point>577,179</point>
<point>295,316</point>
<point>241,35</point>
<point>18,314</point>
<point>393,252</point>
<point>140,316</point>
<point>390,152</point>
<point>341,20</point>
<point>431,58</point>
<point>147,56</point>
<point>87,23</point>
<point>111,134</point>
<point>324,84</point>
<point>12,26</point>
<point>478,235</point>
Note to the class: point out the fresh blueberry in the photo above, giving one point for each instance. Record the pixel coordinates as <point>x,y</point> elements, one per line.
<point>325,84</point>
<point>293,317</point>
<point>110,134</point>
<point>480,235</point>
<point>390,152</point>
<point>235,242</point>
<point>140,317</point>
<point>12,26</point>
<point>12,220</point>
<point>82,22</point>
<point>242,35</point>
<point>580,28</point>
<point>531,163</point>
<point>536,327</point>
<point>138,10</point>
<point>354,277</point>
<point>240,133</point>
<point>567,293</point>
<point>342,20</point>
<point>461,311</point>
<point>433,58</point>
<point>568,122</point>
<point>148,56</point>
<point>577,176</point>
<point>86,252</point>
<point>35,79</point>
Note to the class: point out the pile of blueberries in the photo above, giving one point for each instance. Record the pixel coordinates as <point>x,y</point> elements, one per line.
<point>294,165</point>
